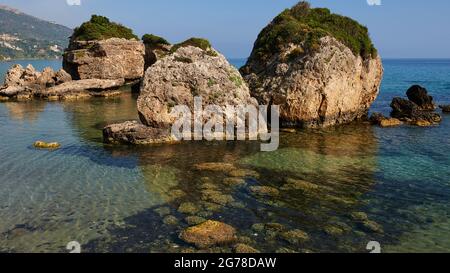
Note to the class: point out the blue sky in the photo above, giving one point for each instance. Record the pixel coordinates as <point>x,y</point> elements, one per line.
<point>399,28</point>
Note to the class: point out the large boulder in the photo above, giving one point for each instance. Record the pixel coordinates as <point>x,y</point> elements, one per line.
<point>193,69</point>
<point>419,95</point>
<point>114,58</point>
<point>321,68</point>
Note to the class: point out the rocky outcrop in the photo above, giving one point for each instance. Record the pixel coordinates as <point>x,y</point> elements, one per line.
<point>331,86</point>
<point>192,69</point>
<point>133,132</point>
<point>26,83</point>
<point>445,108</point>
<point>111,59</point>
<point>411,113</point>
<point>419,95</point>
<point>382,121</point>
<point>187,73</point>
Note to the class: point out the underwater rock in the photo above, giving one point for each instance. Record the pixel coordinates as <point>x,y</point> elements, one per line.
<point>214,167</point>
<point>188,208</point>
<point>295,237</point>
<point>162,211</point>
<point>234,181</point>
<point>245,249</point>
<point>194,220</point>
<point>45,145</point>
<point>297,184</point>
<point>265,191</point>
<point>333,231</point>
<point>285,250</point>
<point>317,77</point>
<point>217,197</point>
<point>209,234</point>
<point>171,220</point>
<point>419,95</point>
<point>371,226</point>
<point>244,173</point>
<point>359,216</point>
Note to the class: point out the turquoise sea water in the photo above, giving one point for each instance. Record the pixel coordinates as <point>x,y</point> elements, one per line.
<point>109,198</point>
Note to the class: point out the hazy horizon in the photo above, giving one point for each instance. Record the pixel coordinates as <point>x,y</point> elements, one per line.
<point>412,30</point>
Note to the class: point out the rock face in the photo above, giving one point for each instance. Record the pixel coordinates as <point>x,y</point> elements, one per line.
<point>331,86</point>
<point>420,97</point>
<point>208,234</point>
<point>111,59</point>
<point>187,73</point>
<point>319,73</point>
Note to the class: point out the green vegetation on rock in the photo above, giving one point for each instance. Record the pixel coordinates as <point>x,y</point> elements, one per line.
<point>303,25</point>
<point>197,42</point>
<point>101,28</point>
<point>153,40</point>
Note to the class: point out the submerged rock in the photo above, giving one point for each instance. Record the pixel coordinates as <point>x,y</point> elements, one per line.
<point>209,234</point>
<point>419,95</point>
<point>46,145</point>
<point>318,77</point>
<point>295,237</point>
<point>245,249</point>
<point>170,220</point>
<point>296,184</point>
<point>244,173</point>
<point>194,220</point>
<point>214,167</point>
<point>265,191</point>
<point>188,208</point>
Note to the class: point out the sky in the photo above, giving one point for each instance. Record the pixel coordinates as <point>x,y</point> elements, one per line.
<point>399,28</point>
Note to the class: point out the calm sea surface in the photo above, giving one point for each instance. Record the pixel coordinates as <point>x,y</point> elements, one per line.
<point>116,199</point>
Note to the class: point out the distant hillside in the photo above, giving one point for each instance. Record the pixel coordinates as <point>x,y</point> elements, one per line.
<point>24,36</point>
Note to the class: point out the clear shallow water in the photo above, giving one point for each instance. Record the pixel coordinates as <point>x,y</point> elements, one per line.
<point>110,198</point>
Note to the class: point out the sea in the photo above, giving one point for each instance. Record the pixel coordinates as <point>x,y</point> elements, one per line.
<point>325,190</point>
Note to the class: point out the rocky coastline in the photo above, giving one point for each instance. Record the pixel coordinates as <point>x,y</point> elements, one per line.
<point>317,77</point>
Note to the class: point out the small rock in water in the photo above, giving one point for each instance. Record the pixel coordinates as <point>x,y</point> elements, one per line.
<point>296,184</point>
<point>333,231</point>
<point>170,220</point>
<point>209,234</point>
<point>246,249</point>
<point>359,216</point>
<point>372,226</point>
<point>445,108</point>
<point>162,211</point>
<point>295,236</point>
<point>188,208</point>
<point>265,191</point>
<point>214,167</point>
<point>234,181</point>
<point>244,173</point>
<point>45,145</point>
<point>194,220</point>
